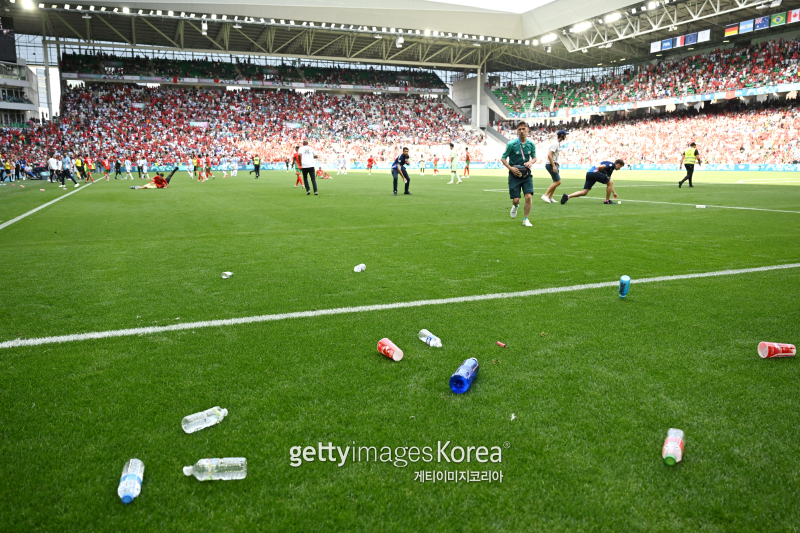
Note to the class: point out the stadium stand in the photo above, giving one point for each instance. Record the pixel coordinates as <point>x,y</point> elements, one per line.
<point>168,124</point>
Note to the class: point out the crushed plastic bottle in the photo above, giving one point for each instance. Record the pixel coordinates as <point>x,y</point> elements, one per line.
<point>360,268</point>
<point>429,338</point>
<point>464,376</point>
<point>203,419</point>
<point>218,469</point>
<point>226,275</point>
<point>130,484</point>
<point>672,452</point>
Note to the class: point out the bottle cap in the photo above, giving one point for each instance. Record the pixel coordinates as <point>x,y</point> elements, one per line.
<point>187,470</point>
<point>669,460</point>
<point>224,412</point>
<point>127,498</point>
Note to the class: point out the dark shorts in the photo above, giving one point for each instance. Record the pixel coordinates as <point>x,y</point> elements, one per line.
<point>555,175</point>
<point>595,177</point>
<point>515,184</point>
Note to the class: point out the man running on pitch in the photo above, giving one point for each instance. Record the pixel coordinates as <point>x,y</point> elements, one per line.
<point>599,174</point>
<point>518,158</point>
<point>553,166</point>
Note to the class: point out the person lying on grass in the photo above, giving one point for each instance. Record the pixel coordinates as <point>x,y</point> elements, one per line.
<point>159,182</point>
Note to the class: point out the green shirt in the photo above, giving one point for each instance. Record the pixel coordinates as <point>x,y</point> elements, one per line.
<point>514,155</point>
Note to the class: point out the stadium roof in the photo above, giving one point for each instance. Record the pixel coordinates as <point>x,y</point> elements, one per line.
<point>447,34</point>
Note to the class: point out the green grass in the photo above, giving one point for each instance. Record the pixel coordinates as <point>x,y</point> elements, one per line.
<point>594,382</point>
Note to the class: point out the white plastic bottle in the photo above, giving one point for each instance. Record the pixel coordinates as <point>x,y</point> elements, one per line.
<point>130,484</point>
<point>203,419</point>
<point>225,469</point>
<point>429,338</point>
<point>672,452</point>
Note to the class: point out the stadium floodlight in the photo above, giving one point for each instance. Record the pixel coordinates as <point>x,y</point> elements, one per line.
<point>204,28</point>
<point>305,23</point>
<point>435,33</point>
<point>374,28</point>
<point>633,11</point>
<point>158,12</point>
<point>775,3</point>
<point>291,23</point>
<point>41,6</point>
<point>505,40</point>
<point>213,17</point>
<point>548,49</point>
<point>383,30</point>
<point>613,17</point>
<point>417,32</point>
<point>427,33</point>
<point>449,34</point>
<point>527,42</point>
<point>91,8</point>
<point>282,22</point>
<point>651,5</point>
<point>480,37</point>
<point>399,42</point>
<point>392,30</point>
<point>535,42</point>
<point>66,6</point>
<point>643,8</point>
<point>581,26</point>
<point>126,10</point>
<point>141,11</point>
<point>549,38</point>
<point>170,13</point>
<point>79,8</point>
<point>584,50</point>
<point>27,4</point>
<point>497,39</point>
<point>203,17</point>
<point>115,9</point>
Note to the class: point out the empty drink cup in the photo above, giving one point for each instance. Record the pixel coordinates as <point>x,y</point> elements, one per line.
<point>768,350</point>
<point>390,349</point>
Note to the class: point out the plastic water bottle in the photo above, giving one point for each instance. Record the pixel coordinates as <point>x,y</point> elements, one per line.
<point>624,286</point>
<point>360,268</point>
<point>203,419</point>
<point>464,376</point>
<point>214,469</point>
<point>429,338</point>
<point>130,484</point>
<point>672,452</point>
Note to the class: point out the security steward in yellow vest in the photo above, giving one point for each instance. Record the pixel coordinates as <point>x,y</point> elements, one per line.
<point>256,165</point>
<point>688,159</point>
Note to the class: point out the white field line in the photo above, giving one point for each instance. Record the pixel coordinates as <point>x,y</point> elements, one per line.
<point>32,211</point>
<point>694,205</point>
<point>367,308</point>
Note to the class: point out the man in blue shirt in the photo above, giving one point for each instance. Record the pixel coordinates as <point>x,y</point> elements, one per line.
<point>600,173</point>
<point>398,167</point>
<point>66,163</point>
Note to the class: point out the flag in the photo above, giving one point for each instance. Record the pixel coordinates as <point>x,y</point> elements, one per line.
<point>731,29</point>
<point>703,36</point>
<point>778,19</point>
<point>691,38</point>
<point>655,47</point>
<point>666,44</point>
<point>746,26</point>
<point>761,23</point>
<point>679,41</point>
<point>794,16</point>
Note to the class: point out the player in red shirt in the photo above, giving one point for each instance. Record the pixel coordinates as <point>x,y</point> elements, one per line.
<point>435,164</point>
<point>87,162</point>
<point>106,166</point>
<point>370,164</point>
<point>323,175</point>
<point>297,166</point>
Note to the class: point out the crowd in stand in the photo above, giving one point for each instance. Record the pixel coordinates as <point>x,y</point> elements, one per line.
<point>168,125</point>
<point>725,134</point>
<point>554,96</point>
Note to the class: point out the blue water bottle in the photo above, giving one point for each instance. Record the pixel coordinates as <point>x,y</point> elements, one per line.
<point>624,286</point>
<point>464,376</point>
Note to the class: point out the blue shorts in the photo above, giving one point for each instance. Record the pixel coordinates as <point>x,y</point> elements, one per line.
<point>595,177</point>
<point>555,175</point>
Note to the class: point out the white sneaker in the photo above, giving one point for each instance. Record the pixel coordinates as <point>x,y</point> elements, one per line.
<point>459,181</point>
<point>514,211</point>
<point>449,182</point>
<point>547,199</point>
<point>526,222</point>
<point>77,184</point>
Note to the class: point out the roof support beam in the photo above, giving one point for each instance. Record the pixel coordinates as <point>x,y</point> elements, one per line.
<point>101,19</point>
<point>200,32</point>
<point>255,44</point>
<point>161,33</point>
<point>67,24</point>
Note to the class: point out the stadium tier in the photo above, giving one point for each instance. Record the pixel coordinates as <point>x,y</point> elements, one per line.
<point>757,65</point>
<point>169,124</point>
<point>113,65</point>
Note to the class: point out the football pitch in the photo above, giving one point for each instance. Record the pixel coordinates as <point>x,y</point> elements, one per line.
<point>575,407</point>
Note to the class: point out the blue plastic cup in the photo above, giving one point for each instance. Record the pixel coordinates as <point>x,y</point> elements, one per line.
<point>464,376</point>
<point>624,286</point>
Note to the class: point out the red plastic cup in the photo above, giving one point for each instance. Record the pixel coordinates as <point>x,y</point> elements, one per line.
<point>768,350</point>
<point>500,344</point>
<point>390,349</point>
